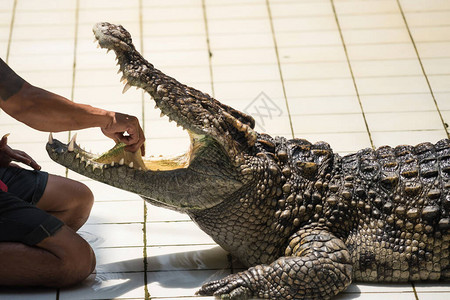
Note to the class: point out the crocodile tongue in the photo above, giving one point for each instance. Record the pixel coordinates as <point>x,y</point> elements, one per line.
<point>118,155</point>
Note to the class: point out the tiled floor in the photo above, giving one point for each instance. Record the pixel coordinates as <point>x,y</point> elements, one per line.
<point>353,73</point>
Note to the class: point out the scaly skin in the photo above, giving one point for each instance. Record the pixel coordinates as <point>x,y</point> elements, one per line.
<point>303,219</point>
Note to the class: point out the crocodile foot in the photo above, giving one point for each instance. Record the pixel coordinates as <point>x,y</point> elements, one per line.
<point>232,287</point>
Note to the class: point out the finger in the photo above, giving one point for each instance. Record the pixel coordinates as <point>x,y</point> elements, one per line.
<point>24,158</point>
<point>4,141</point>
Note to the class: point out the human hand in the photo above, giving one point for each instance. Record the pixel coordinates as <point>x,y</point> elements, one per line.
<point>7,155</point>
<point>126,129</point>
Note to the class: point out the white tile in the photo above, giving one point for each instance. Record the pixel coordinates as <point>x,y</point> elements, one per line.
<point>324,105</point>
<point>117,212</point>
<point>434,49</point>
<point>113,235</point>
<point>6,5</point>
<point>173,13</point>
<point>44,18</point>
<point>418,5</point>
<point>45,5</point>
<point>196,257</point>
<point>101,4</point>
<point>176,233</point>
<point>386,51</point>
<point>439,83</point>
<point>428,18</point>
<point>247,90</point>
<point>433,296</point>
<point>269,72</point>
<point>349,123</point>
<point>403,121</point>
<point>283,9</point>
<point>316,70</point>
<point>376,36</point>
<point>392,85</point>
<point>289,24</point>
<point>242,11</point>
<point>241,40</point>
<point>424,287</point>
<point>124,16</point>
<point>164,3</point>
<point>323,87</point>
<point>229,57</point>
<point>366,21</point>
<point>377,68</point>
<point>179,59</point>
<point>366,7</point>
<point>431,34</point>
<point>119,260</point>
<point>175,28</point>
<point>398,103</point>
<point>375,296</point>
<point>180,283</point>
<point>395,138</point>
<point>173,43</point>
<point>308,39</point>
<point>374,288</point>
<point>443,100</point>
<point>437,66</point>
<point>312,54</point>
<point>44,32</point>
<point>107,286</point>
<point>238,26</point>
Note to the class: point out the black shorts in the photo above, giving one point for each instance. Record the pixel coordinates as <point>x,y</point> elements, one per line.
<point>20,219</point>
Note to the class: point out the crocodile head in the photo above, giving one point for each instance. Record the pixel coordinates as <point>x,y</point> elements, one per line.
<point>211,170</point>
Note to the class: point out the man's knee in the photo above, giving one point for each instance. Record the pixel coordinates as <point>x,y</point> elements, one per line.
<point>76,257</point>
<point>76,267</point>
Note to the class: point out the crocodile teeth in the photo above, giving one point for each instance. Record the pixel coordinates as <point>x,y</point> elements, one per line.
<point>72,143</point>
<point>98,45</point>
<point>50,138</point>
<point>112,164</point>
<point>126,88</point>
<point>121,162</point>
<point>78,155</point>
<point>131,165</point>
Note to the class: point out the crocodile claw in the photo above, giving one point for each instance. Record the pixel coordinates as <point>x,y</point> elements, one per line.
<point>231,287</point>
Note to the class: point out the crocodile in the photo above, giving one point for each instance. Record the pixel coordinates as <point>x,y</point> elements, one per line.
<point>304,220</point>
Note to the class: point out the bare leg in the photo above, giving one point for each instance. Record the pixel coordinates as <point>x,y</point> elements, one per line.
<point>60,260</point>
<point>68,200</point>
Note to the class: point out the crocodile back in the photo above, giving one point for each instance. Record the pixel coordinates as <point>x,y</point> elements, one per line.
<point>401,201</point>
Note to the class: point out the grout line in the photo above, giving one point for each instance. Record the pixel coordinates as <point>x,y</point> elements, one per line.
<point>351,72</point>
<point>74,66</point>
<point>272,28</point>
<point>423,68</point>
<point>11,26</point>
<point>211,72</point>
<point>414,290</point>
<point>144,225</point>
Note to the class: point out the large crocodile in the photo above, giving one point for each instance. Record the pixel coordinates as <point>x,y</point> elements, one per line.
<point>304,220</point>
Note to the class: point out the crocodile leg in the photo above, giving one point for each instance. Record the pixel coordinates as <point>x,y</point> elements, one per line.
<point>316,265</point>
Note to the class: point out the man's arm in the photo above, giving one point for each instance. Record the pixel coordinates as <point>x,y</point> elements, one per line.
<point>46,111</point>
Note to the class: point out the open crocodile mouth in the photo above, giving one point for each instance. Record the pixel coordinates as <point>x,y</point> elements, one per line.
<point>72,155</point>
